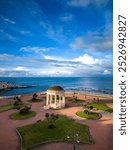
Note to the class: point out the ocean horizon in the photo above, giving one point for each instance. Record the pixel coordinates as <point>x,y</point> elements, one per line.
<point>98,85</point>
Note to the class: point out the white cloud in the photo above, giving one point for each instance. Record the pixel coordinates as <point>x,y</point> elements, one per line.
<point>84,3</point>
<point>86,59</point>
<point>24,32</point>
<point>7,20</point>
<point>107,71</point>
<point>18,68</point>
<point>54,58</point>
<point>66,17</point>
<point>21,68</point>
<point>56,72</point>
<point>95,41</point>
<point>78,3</point>
<point>54,66</point>
<point>3,56</point>
<point>36,49</point>
<point>53,31</point>
<point>8,57</point>
<point>14,72</point>
<point>10,37</point>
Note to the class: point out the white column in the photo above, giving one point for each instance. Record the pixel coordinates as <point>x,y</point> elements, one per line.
<point>47,99</point>
<point>50,99</point>
<point>55,100</point>
<point>63,100</point>
<point>60,99</point>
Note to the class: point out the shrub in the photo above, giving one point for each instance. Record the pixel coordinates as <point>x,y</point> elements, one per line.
<point>51,118</point>
<point>24,109</point>
<point>74,99</point>
<point>17,99</point>
<point>86,106</point>
<point>109,110</point>
<point>90,107</point>
<point>34,97</point>
<point>17,103</point>
<point>86,111</point>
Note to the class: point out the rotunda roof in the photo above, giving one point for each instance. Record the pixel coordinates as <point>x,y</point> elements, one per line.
<point>56,88</point>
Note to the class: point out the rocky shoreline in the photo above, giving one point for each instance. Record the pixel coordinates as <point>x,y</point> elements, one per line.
<point>9,86</point>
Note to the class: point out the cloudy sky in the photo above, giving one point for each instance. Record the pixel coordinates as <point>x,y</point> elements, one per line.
<point>55,37</point>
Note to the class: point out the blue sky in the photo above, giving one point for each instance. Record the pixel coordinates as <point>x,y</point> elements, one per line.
<point>55,37</point>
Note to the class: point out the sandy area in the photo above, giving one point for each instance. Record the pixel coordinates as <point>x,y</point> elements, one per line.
<point>101,130</point>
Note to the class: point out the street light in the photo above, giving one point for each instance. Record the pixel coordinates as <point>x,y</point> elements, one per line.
<point>75,139</point>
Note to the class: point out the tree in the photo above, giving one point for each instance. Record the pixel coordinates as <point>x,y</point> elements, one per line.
<point>17,99</point>
<point>86,111</point>
<point>90,107</point>
<point>25,109</point>
<point>51,118</point>
<point>34,97</point>
<point>17,103</point>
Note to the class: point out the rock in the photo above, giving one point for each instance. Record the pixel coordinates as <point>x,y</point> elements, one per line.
<point>8,85</point>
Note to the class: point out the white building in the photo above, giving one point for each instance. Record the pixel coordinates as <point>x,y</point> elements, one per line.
<point>55,97</point>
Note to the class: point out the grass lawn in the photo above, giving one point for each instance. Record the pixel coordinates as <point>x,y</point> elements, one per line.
<point>10,106</point>
<point>90,115</point>
<point>18,116</point>
<point>40,133</point>
<point>100,106</point>
<point>75,100</point>
<point>6,107</point>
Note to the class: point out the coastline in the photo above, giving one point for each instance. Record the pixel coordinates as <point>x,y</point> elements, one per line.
<point>79,94</point>
<point>90,85</point>
<point>90,93</point>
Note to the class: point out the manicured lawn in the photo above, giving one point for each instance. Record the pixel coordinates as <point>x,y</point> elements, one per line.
<point>76,100</point>
<point>10,106</point>
<point>40,133</point>
<point>100,106</point>
<point>6,107</point>
<point>18,116</point>
<point>90,115</point>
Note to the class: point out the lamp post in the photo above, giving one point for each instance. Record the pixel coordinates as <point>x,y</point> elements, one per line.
<point>75,139</point>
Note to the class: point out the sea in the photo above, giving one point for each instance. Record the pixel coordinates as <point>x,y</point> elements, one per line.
<point>93,85</point>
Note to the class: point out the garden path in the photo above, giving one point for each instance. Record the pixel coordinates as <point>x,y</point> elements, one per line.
<point>101,130</point>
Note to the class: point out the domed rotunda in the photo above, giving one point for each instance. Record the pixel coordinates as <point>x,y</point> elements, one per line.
<point>55,97</point>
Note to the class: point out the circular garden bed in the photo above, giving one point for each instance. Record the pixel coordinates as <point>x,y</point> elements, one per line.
<point>19,116</point>
<point>88,115</point>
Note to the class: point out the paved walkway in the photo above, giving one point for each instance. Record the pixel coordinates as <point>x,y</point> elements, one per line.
<point>9,140</point>
<point>101,130</point>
